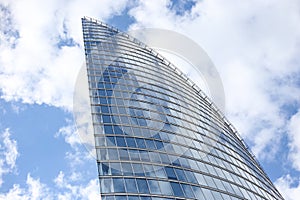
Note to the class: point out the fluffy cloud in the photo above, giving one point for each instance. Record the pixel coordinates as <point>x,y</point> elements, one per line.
<point>89,191</point>
<point>35,190</point>
<point>70,134</point>
<point>294,133</point>
<point>289,187</point>
<point>41,47</point>
<point>73,184</point>
<point>8,154</point>
<point>80,151</point>
<point>254,45</point>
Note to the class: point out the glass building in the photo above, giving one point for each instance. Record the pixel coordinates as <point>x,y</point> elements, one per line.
<point>156,136</point>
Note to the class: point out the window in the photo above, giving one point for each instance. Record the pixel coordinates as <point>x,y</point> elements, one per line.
<point>177,189</point>
<point>142,186</point>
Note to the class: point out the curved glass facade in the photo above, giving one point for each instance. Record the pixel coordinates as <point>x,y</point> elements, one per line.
<point>156,136</point>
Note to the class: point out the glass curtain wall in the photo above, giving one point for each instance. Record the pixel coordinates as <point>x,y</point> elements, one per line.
<point>156,137</point>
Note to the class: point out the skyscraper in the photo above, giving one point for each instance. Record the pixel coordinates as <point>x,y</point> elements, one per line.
<point>156,136</point>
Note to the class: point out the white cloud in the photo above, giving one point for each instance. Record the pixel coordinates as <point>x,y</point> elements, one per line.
<point>70,134</point>
<point>88,191</point>
<point>79,153</point>
<point>289,187</point>
<point>294,143</point>
<point>35,190</point>
<point>76,183</point>
<point>33,68</point>
<point>251,43</point>
<point>8,154</point>
<point>73,185</point>
<point>255,46</point>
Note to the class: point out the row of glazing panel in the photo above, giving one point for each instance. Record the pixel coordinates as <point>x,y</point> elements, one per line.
<point>155,132</point>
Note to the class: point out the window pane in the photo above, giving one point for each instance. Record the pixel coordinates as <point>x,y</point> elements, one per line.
<point>154,187</point>
<point>142,185</point>
<point>130,185</point>
<point>119,185</point>
<point>177,189</point>
<point>165,187</point>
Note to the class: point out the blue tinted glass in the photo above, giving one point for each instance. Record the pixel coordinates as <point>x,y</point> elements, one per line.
<point>142,122</point>
<point>122,110</point>
<point>138,169</point>
<point>100,85</point>
<point>159,144</point>
<point>164,136</point>
<point>119,185</point>
<point>137,112</point>
<point>133,198</point>
<point>149,171</point>
<point>150,144</point>
<point>118,130</point>
<point>106,118</point>
<point>110,198</point>
<point>159,171</point>
<point>165,187</point>
<point>180,175</point>
<point>103,100</point>
<point>130,142</point>
<point>109,92</point>
<point>127,169</point>
<point>108,129</point>
<point>115,168</point>
<point>190,176</point>
<point>137,131</point>
<point>145,157</point>
<point>113,79</point>
<point>102,154</point>
<point>155,157</point>
<point>200,179</point>
<point>197,192</point>
<point>131,186</point>
<point>113,154</point>
<point>157,136</point>
<point>184,162</point>
<point>165,158</point>
<point>107,85</point>
<point>106,186</point>
<point>188,191</point>
<point>154,187</point>
<point>124,154</point>
<point>140,143</point>
<point>134,120</point>
<point>142,186</point>
<point>104,109</point>
<point>176,162</point>
<point>152,84</point>
<point>145,198</point>
<point>177,189</point>
<point>102,92</point>
<point>124,120</point>
<point>121,141</point>
<point>103,168</point>
<point>170,173</point>
<point>207,193</point>
<point>111,141</point>
<point>134,155</point>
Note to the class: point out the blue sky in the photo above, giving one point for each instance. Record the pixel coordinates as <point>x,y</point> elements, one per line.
<point>254,46</point>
